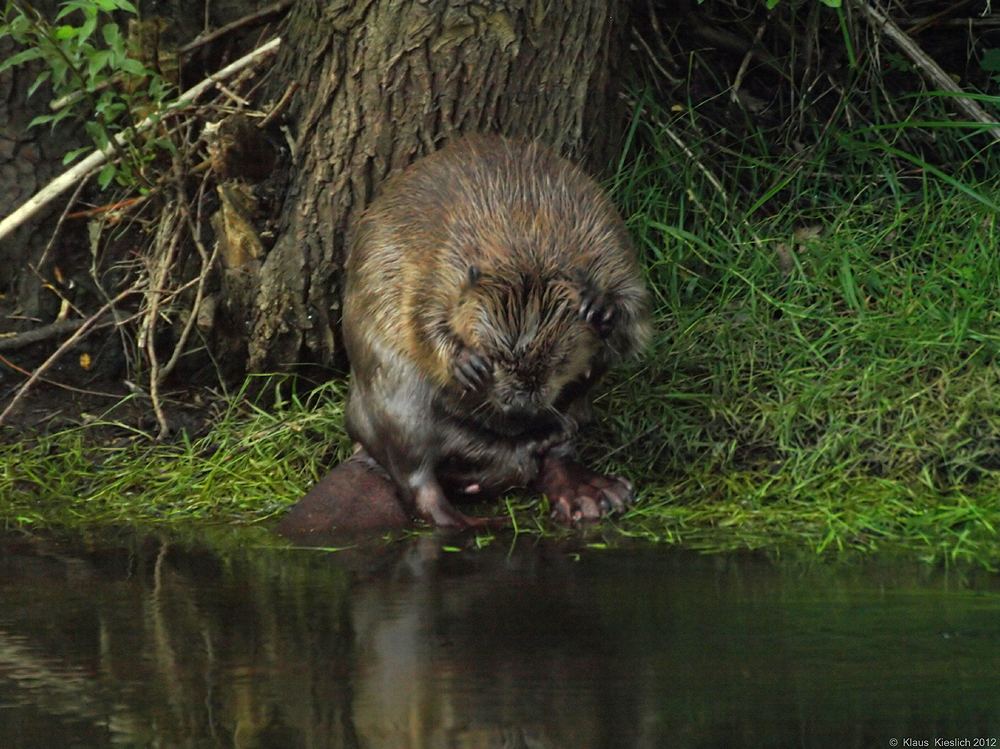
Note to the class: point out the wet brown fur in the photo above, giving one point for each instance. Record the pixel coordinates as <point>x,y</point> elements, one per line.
<point>483,256</point>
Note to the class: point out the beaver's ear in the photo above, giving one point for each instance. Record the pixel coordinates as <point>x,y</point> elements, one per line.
<point>469,285</point>
<point>473,276</point>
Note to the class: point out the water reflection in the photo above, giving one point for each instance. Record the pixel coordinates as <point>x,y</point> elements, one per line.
<point>140,642</point>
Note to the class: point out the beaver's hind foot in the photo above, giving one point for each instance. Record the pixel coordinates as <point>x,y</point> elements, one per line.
<point>577,494</point>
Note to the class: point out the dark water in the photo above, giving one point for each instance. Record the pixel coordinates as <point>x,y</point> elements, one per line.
<point>137,642</point>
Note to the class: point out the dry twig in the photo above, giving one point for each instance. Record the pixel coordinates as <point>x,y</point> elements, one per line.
<point>56,187</point>
<point>926,64</point>
<point>80,333</point>
<point>60,385</point>
<point>167,239</point>
<point>28,337</point>
<point>207,263</point>
<point>248,20</point>
<point>734,93</point>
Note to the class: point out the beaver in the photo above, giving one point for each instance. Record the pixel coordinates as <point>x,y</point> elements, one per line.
<point>488,288</point>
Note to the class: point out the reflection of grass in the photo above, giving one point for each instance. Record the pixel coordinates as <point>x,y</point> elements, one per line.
<point>825,377</point>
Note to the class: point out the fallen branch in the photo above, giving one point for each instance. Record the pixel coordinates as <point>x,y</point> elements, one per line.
<point>60,385</point>
<point>28,337</point>
<point>270,10</point>
<point>89,323</point>
<point>61,183</point>
<point>924,23</point>
<point>926,64</point>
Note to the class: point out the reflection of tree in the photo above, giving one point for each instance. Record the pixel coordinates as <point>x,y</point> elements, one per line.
<point>147,644</point>
<point>239,647</point>
<point>280,648</point>
<point>156,645</point>
<point>159,615</point>
<point>54,689</point>
<point>488,653</point>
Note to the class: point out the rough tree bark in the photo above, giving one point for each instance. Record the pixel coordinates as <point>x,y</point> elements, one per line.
<point>383,82</point>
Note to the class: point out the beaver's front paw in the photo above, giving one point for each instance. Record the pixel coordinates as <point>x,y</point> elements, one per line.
<point>597,311</point>
<point>472,370</point>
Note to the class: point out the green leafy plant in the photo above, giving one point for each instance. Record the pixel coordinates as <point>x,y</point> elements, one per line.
<point>99,82</point>
<point>990,61</point>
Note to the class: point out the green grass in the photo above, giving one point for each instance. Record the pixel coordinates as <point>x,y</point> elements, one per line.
<point>251,466</point>
<point>825,377</point>
<point>827,373</point>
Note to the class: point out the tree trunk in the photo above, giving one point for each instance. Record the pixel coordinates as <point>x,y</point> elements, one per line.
<point>383,82</point>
